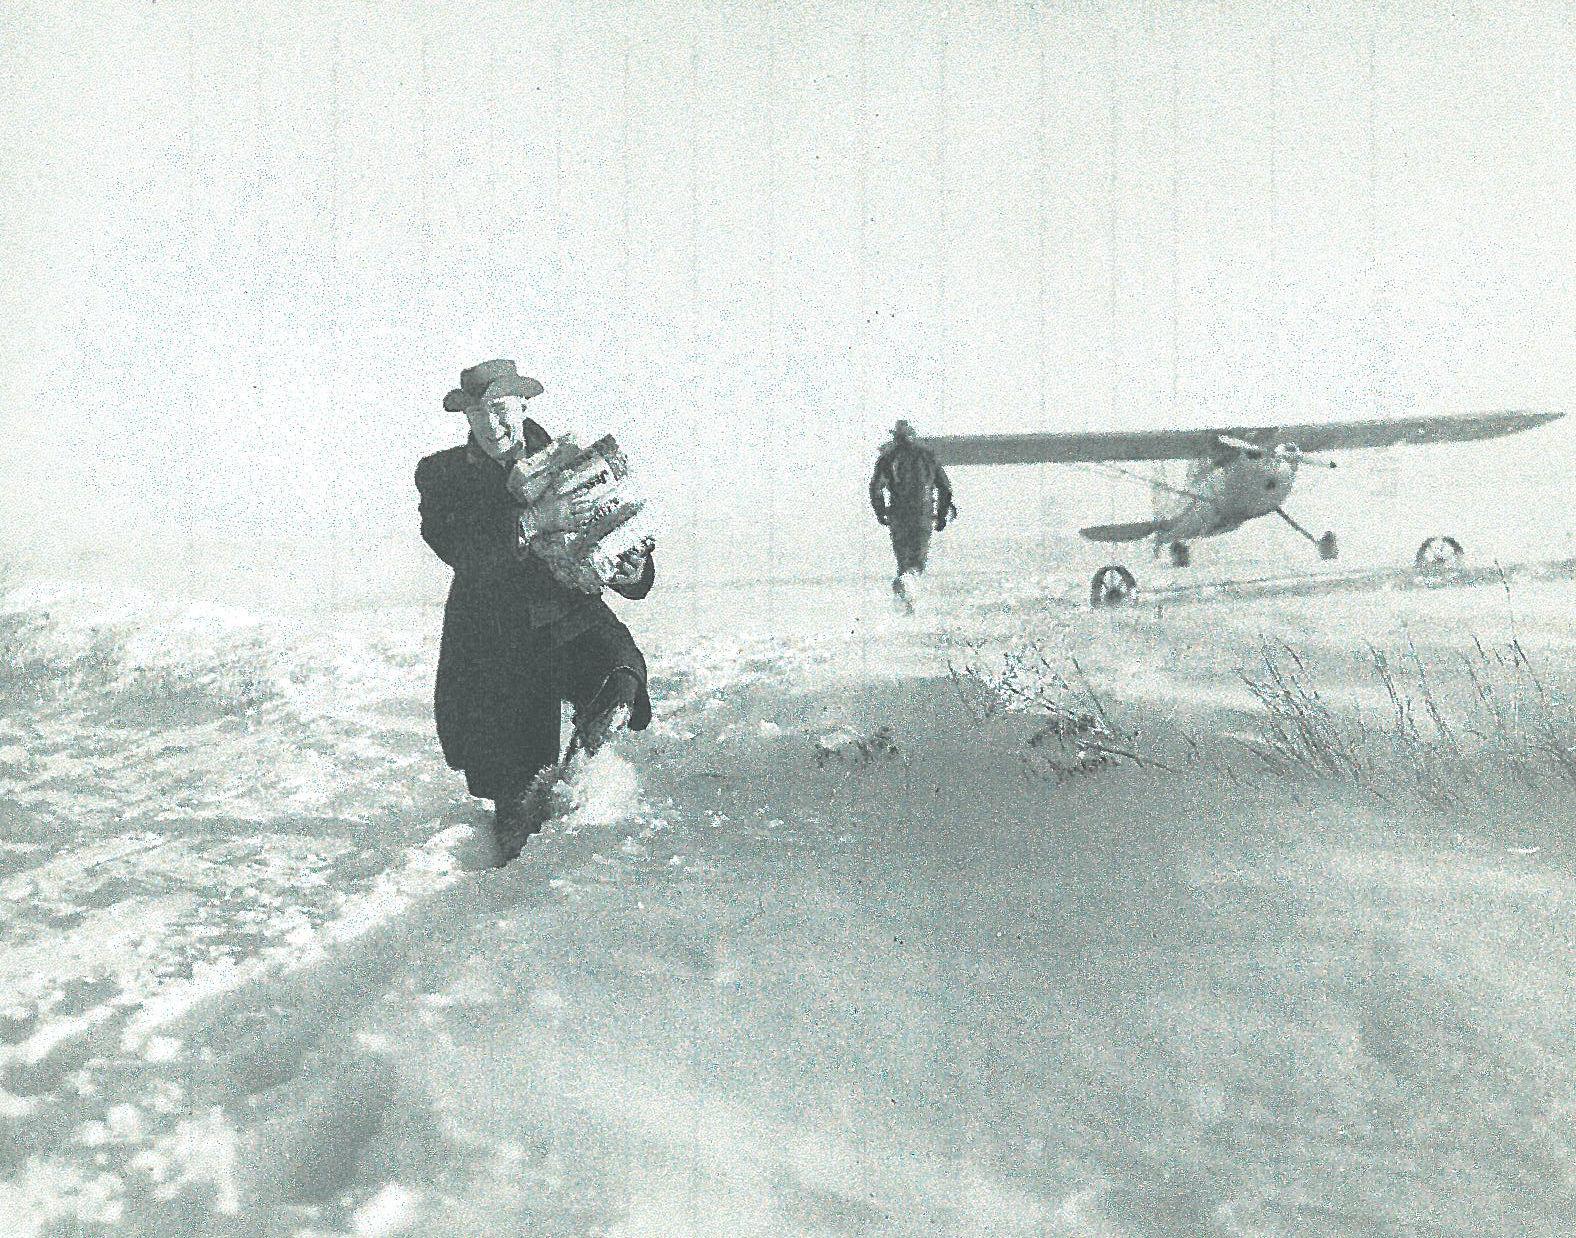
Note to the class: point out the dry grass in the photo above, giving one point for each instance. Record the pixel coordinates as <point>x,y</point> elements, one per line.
<point>1450,729</point>
<point>1445,728</point>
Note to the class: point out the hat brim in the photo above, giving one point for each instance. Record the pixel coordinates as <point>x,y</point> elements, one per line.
<point>459,401</point>
<point>512,384</point>
<point>475,379</point>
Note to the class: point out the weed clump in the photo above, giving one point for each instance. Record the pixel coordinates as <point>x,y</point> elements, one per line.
<point>1449,731</point>
<point>856,748</point>
<point>1074,733</point>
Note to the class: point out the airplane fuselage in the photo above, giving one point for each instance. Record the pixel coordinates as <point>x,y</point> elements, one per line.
<point>1223,494</point>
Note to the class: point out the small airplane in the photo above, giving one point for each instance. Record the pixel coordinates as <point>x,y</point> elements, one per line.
<point>1234,475</point>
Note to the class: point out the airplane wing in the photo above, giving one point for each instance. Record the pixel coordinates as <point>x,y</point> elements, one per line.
<point>1090,448</point>
<point>1407,431</point>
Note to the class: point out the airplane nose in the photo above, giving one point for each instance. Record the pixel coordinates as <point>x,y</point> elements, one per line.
<point>1279,477</point>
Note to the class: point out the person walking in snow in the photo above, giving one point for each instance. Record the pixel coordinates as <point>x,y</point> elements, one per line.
<point>516,642</point>
<point>911,495</point>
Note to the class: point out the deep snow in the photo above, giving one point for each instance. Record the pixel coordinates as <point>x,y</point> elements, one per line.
<point>256,977</point>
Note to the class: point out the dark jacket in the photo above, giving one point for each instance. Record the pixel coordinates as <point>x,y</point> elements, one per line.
<point>506,613</point>
<point>909,486</point>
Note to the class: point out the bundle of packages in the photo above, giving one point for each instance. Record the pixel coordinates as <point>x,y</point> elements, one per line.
<point>589,517</point>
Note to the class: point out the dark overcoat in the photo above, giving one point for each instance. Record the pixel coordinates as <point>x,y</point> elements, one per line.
<point>515,641</point>
<point>910,492</point>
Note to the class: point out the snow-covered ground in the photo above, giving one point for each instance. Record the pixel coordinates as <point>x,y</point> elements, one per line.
<point>776,970</point>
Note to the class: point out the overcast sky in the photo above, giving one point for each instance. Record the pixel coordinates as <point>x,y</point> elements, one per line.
<point>250,246</point>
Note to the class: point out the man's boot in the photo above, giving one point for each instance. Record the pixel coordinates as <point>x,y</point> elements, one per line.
<point>608,712</point>
<point>515,819</point>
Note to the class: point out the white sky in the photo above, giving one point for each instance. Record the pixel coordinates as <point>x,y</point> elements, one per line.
<point>250,246</point>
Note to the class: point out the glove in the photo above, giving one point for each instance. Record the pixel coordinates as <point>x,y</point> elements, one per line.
<point>631,567</point>
<point>553,515</point>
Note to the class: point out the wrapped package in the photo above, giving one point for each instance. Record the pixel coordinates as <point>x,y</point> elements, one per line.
<point>589,514</point>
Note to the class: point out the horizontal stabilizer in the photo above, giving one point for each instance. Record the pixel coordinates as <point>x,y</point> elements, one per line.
<point>1122,532</point>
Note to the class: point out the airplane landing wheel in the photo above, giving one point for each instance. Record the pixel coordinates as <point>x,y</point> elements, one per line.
<point>1329,548</point>
<point>1439,554</point>
<point>1181,554</point>
<point>1113,585</point>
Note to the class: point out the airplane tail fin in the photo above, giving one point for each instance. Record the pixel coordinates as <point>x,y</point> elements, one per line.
<point>1135,532</point>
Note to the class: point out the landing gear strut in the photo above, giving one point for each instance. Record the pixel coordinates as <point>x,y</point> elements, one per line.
<point>1327,546</point>
<point>1439,554</point>
<point>1113,585</point>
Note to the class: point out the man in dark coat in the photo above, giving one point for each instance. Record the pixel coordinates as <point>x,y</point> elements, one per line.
<point>516,641</point>
<point>911,495</point>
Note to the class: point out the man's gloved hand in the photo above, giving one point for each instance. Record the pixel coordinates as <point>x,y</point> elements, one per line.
<point>631,567</point>
<point>951,513</point>
<point>553,515</point>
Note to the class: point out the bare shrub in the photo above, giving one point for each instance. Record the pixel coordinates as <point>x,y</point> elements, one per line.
<point>1074,733</point>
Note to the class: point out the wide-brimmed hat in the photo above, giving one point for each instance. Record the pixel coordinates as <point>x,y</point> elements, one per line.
<point>488,381</point>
